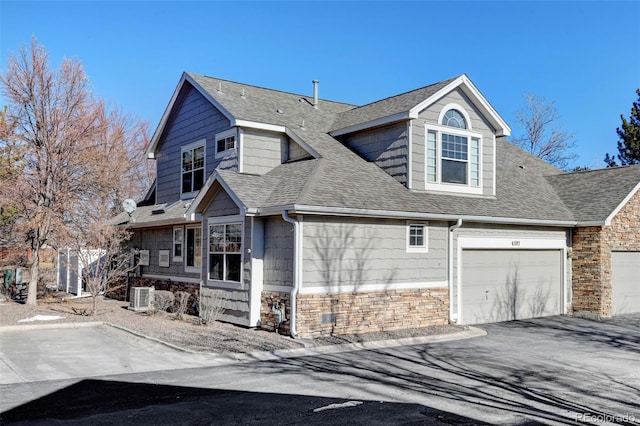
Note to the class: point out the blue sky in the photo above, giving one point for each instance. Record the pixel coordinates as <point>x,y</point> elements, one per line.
<point>582,55</point>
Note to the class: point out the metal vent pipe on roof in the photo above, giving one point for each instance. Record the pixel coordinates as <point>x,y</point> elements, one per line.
<point>315,93</point>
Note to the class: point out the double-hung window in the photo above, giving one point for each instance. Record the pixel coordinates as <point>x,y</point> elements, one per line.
<point>225,251</point>
<point>453,154</point>
<point>193,159</point>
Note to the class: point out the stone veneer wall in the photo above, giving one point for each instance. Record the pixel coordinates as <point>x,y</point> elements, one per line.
<point>269,299</point>
<point>592,247</point>
<point>357,313</point>
<point>118,292</point>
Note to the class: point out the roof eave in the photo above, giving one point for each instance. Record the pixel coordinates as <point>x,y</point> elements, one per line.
<point>622,204</point>
<point>201,201</point>
<point>392,214</point>
<point>373,123</point>
<point>155,139</point>
<point>466,85</point>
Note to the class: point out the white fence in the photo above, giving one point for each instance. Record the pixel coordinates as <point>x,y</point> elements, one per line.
<point>71,268</point>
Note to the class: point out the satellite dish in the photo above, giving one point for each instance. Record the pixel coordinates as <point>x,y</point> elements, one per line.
<point>129,205</point>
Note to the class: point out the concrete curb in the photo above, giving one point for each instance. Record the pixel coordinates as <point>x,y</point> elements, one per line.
<point>215,359</point>
<point>222,359</point>
<point>24,327</point>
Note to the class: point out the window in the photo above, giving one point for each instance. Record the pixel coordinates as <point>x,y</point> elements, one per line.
<point>225,251</point>
<point>178,241</point>
<point>453,118</point>
<point>193,167</point>
<point>417,238</point>
<point>453,153</point>
<point>225,141</point>
<point>193,252</point>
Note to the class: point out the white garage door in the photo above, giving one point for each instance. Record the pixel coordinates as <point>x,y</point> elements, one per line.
<point>504,285</point>
<point>625,282</point>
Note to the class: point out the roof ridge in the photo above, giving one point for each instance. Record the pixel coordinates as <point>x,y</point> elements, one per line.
<point>602,169</point>
<point>266,88</point>
<point>313,178</point>
<point>407,92</point>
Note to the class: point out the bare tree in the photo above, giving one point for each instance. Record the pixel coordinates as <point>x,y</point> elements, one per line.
<point>542,136</point>
<point>11,166</point>
<point>77,156</point>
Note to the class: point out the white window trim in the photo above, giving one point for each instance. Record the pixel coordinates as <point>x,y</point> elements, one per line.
<point>189,147</point>
<point>417,249</point>
<point>458,108</point>
<point>231,132</point>
<point>177,259</point>
<point>184,250</point>
<point>226,220</point>
<point>438,185</point>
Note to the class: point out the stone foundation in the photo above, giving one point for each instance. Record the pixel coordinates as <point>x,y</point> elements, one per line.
<point>118,291</point>
<point>358,313</point>
<point>269,300</point>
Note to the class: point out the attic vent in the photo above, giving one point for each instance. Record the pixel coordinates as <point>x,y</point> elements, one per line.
<point>158,211</point>
<point>279,111</point>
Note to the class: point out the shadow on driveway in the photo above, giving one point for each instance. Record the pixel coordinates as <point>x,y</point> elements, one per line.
<point>99,402</point>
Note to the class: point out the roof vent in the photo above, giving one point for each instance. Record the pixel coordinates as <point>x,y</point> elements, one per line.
<point>279,111</point>
<point>315,93</point>
<point>158,211</point>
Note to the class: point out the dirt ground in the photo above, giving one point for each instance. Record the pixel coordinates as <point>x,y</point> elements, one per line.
<point>187,333</point>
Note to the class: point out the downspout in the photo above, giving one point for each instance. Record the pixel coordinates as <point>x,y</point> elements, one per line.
<point>451,229</point>
<point>296,267</point>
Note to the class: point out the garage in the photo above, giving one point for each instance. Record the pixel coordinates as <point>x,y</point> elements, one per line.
<point>625,282</point>
<point>508,284</point>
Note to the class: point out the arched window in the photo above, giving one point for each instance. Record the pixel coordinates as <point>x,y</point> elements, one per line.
<point>453,118</point>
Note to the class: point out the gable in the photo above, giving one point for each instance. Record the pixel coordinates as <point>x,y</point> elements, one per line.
<point>193,120</point>
<point>221,204</point>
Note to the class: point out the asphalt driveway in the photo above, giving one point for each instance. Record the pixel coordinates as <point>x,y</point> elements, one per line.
<point>555,370</point>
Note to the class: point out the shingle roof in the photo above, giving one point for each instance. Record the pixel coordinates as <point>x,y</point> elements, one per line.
<point>387,107</point>
<point>156,214</point>
<point>527,188</point>
<point>593,195</point>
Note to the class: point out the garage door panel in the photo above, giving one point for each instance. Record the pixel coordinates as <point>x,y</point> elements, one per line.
<point>502,285</point>
<point>625,282</point>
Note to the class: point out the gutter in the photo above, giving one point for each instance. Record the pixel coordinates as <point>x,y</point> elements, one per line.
<point>296,270</point>
<point>393,214</point>
<point>450,273</point>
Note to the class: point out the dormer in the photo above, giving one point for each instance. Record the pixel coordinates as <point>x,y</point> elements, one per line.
<point>438,138</point>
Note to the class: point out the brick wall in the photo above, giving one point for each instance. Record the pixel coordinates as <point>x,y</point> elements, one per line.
<point>356,313</point>
<point>592,247</point>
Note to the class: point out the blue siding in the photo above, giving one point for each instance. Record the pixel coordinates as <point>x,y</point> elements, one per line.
<point>193,119</point>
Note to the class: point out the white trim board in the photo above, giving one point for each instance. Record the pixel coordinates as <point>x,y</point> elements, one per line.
<point>362,288</point>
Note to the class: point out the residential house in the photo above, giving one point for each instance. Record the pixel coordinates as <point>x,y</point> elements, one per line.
<point>406,212</point>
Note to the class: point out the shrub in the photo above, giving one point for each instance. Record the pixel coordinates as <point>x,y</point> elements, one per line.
<point>162,301</point>
<point>210,306</point>
<point>181,303</point>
